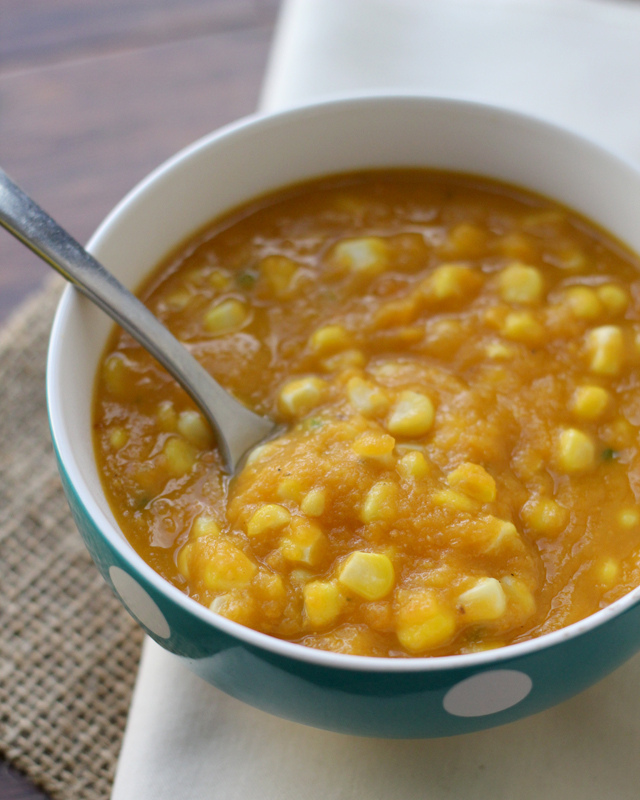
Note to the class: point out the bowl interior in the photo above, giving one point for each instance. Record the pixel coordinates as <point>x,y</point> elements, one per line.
<point>255,156</point>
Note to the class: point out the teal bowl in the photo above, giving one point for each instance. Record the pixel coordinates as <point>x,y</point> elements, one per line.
<point>403,698</point>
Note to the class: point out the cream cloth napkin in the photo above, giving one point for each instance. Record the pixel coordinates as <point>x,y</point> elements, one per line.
<point>573,61</point>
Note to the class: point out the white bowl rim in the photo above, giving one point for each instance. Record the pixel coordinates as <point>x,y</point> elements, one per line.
<point>250,637</point>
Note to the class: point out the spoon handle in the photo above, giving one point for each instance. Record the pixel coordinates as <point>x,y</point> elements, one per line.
<point>237,429</point>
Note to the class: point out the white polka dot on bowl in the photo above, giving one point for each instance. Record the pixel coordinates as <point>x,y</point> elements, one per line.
<point>136,599</point>
<point>487,693</point>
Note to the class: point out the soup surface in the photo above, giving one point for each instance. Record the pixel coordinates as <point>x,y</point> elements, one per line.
<point>457,364</point>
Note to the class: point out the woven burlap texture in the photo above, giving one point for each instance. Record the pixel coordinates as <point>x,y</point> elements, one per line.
<point>68,651</point>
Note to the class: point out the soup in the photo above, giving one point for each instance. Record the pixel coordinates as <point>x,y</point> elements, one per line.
<point>456,364</point>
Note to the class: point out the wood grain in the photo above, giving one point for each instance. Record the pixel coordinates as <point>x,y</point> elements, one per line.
<point>95,95</point>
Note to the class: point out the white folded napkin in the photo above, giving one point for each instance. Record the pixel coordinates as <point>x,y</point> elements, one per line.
<point>573,61</point>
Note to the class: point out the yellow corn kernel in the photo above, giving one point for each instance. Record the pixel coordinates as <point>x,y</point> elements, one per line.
<point>589,402</point>
<point>618,434</point>
<point>347,359</point>
<point>605,348</point>
<point>304,542</point>
<point>167,417</point>
<point>366,397</point>
<point>465,240</point>
<point>329,339</point>
<point>184,559</point>
<point>367,256</point>
<point>380,503</point>
<point>300,396</point>
<point>227,568</point>
<point>544,515</point>
<point>117,376</point>
<point>373,445</point>
<point>314,502</point>
<point>268,518</point>
<point>118,437</point>
<point>280,274</point>
<point>224,317</point>
<point>238,605</point>
<point>522,326</point>
<point>454,500</point>
<point>203,527</point>
<point>179,299</point>
<point>607,571</point>
<point>411,415</point>
<point>258,453</point>
<point>499,351</point>
<point>575,451</point>
<point>519,596</point>
<point>485,601</point>
<point>323,602</point>
<point>500,533</point>
<point>517,245</point>
<point>195,429</point>
<point>219,280</point>
<point>629,518</point>
<point>519,283</point>
<point>290,489</point>
<point>451,282</point>
<point>422,622</point>
<point>396,312</point>
<point>369,575</point>
<point>180,456</point>
<point>413,465</point>
<point>571,258</point>
<point>583,302</point>
<point>614,298</point>
<point>473,480</point>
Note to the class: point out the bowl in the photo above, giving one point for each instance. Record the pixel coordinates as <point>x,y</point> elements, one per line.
<point>416,697</point>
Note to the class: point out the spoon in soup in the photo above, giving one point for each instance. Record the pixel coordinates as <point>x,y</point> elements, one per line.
<point>237,428</point>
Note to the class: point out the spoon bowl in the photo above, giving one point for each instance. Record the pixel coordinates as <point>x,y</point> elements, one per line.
<point>237,428</point>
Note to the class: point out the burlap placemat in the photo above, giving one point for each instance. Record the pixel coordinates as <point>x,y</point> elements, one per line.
<point>68,651</point>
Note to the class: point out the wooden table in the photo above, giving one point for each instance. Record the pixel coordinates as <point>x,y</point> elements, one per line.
<point>94,95</point>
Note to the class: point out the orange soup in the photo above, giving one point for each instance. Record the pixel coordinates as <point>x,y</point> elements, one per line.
<point>456,362</point>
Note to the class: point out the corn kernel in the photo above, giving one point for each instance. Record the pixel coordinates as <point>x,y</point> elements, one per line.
<point>300,396</point>
<point>522,326</point>
<point>607,571</point>
<point>195,429</point>
<point>219,280</point>
<point>517,245</point>
<point>465,240</point>
<point>629,518</point>
<point>367,257</point>
<point>413,466</point>
<point>519,596</point>
<point>268,518</point>
<point>203,527</point>
<point>519,283</point>
<point>227,568</point>
<point>303,543</point>
<point>605,347</point>
<point>323,603</point>
<point>237,605</point>
<point>396,312</point>
<point>380,503</point>
<point>290,489</point>
<point>179,299</point>
<point>280,273</point>
<point>184,559</point>
<point>227,316</point>
<point>499,351</point>
<point>369,575</point>
<point>485,601</point>
<point>373,445</point>
<point>590,402</point>
<point>347,359</point>
<point>473,480</point>
<point>613,298</point>
<point>575,451</point>
<point>329,339</point>
<point>501,533</point>
<point>118,437</point>
<point>167,417</point>
<point>313,503</point>
<point>583,302</point>
<point>117,376</point>
<point>618,434</point>
<point>366,397</point>
<point>180,456</point>
<point>451,282</point>
<point>544,515</point>
<point>454,500</point>
<point>258,453</point>
<point>411,415</point>
<point>422,622</point>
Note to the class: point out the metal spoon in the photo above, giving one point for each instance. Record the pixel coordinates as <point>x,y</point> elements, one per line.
<point>237,429</point>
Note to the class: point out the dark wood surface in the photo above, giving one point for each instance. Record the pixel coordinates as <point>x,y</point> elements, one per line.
<point>93,95</point>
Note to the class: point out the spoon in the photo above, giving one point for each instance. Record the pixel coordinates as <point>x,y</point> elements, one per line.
<point>237,429</point>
